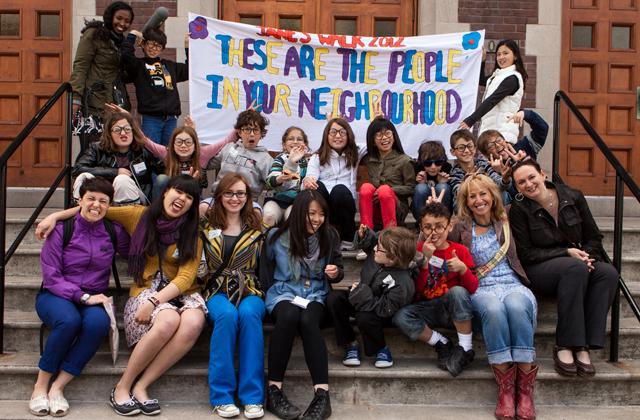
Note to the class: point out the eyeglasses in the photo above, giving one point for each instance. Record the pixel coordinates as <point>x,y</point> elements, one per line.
<point>461,148</point>
<point>342,132</point>
<point>181,142</point>
<point>292,139</point>
<point>429,162</point>
<point>377,248</point>
<point>153,45</point>
<point>119,129</point>
<point>239,194</point>
<point>437,228</point>
<point>386,134</point>
<point>250,130</point>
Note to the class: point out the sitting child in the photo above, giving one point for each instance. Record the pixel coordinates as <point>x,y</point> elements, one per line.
<point>244,157</point>
<point>386,285</point>
<point>443,291</point>
<point>432,170</point>
<point>463,147</point>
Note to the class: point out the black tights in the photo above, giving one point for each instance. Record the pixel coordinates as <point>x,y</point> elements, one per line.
<point>289,320</point>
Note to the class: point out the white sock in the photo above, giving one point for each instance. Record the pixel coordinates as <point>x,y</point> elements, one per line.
<point>435,337</point>
<point>465,341</point>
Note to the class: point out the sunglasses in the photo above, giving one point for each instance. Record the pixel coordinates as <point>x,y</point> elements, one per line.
<point>429,162</point>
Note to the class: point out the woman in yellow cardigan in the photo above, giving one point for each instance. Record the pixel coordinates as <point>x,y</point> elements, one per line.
<point>165,312</point>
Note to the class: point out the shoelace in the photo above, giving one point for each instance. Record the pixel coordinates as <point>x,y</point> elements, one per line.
<point>150,402</point>
<point>316,407</point>
<point>352,354</point>
<point>384,356</point>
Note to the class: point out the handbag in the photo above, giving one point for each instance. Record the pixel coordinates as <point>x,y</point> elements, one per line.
<point>163,281</point>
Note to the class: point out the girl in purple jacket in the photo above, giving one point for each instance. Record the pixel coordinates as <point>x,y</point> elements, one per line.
<point>74,280</point>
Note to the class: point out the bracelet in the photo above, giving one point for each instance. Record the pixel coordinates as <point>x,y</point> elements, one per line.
<point>154,301</point>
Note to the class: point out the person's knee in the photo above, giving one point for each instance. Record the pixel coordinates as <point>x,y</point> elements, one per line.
<point>191,324</point>
<point>367,191</point>
<point>288,317</point>
<point>251,309</point>
<point>341,192</point>
<point>517,303</point>
<point>98,322</point>
<point>403,317</point>
<point>458,293</point>
<point>386,193</point>
<point>166,323</point>
<point>309,322</point>
<point>224,315</point>
<point>608,273</point>
<point>490,309</point>
<point>272,213</point>
<point>575,273</point>
<point>69,321</point>
<point>422,190</point>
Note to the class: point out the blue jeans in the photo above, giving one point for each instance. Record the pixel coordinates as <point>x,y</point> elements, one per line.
<point>455,305</point>
<point>76,333</point>
<point>423,191</point>
<point>244,325</point>
<point>159,129</point>
<point>507,327</point>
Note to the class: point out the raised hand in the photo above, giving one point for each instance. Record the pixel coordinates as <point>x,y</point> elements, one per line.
<point>463,125</point>
<point>189,122</point>
<point>435,198</point>
<point>428,247</point>
<point>455,264</point>
<point>362,230</point>
<point>310,183</point>
<point>517,118</point>
<point>297,153</point>
<point>421,177</point>
<point>331,271</point>
<point>443,177</point>
<point>377,111</point>
<point>115,108</point>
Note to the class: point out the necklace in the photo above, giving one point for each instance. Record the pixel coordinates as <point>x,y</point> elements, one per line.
<point>482,225</point>
<point>551,198</point>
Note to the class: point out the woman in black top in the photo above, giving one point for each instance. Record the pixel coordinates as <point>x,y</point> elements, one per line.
<point>560,247</point>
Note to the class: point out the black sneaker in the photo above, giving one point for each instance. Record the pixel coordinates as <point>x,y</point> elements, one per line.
<point>149,407</point>
<point>279,405</point>
<point>459,360</point>
<point>320,407</point>
<point>444,352</point>
<point>127,408</point>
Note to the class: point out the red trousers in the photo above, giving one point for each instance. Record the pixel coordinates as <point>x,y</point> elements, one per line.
<point>384,206</point>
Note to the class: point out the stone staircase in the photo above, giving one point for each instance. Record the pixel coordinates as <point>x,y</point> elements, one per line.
<point>414,388</point>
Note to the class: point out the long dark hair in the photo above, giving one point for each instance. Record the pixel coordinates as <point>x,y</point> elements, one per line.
<point>188,239</point>
<point>378,125</point>
<point>350,150</point>
<point>296,224</point>
<point>513,46</point>
<point>105,27</point>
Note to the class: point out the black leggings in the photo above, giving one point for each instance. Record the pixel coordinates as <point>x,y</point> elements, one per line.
<point>342,207</point>
<point>289,320</point>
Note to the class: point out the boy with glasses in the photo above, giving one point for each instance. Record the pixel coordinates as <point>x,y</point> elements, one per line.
<point>443,289</point>
<point>463,147</point>
<point>155,80</point>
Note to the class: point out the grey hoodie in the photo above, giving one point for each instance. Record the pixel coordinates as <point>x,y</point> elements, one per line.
<point>254,164</point>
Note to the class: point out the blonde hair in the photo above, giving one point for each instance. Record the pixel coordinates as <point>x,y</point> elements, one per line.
<point>482,181</point>
<point>400,244</point>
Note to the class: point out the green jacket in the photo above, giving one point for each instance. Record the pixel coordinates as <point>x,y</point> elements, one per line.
<point>96,61</point>
<point>394,170</point>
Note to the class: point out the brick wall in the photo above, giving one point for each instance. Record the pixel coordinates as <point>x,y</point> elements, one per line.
<point>143,9</point>
<point>504,19</point>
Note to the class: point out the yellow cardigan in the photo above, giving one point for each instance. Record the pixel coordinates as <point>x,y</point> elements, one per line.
<point>183,276</point>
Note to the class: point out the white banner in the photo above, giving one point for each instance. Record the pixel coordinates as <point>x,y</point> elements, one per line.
<point>425,84</point>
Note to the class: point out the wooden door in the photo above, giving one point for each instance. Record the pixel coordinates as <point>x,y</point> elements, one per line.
<point>345,17</point>
<point>601,73</point>
<point>34,60</point>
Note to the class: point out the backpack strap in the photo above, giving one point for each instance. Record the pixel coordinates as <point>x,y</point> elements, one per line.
<point>111,230</point>
<point>67,231</point>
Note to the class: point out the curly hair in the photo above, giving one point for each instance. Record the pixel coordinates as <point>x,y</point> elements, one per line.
<point>106,141</point>
<point>252,118</point>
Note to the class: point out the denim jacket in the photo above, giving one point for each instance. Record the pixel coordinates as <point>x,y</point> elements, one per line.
<point>313,285</point>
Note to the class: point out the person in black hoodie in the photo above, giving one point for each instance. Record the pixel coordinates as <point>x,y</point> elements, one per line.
<point>156,81</point>
<point>386,285</point>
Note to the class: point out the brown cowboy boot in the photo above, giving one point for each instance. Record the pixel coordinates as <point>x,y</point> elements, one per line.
<point>506,406</point>
<point>524,384</point>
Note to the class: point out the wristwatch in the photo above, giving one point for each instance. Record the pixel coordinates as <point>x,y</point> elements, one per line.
<point>85,298</point>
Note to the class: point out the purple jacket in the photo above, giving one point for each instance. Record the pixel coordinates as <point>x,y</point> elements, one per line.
<point>84,265</point>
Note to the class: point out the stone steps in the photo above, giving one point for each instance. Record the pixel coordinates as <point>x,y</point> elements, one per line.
<point>409,381</point>
<point>16,410</point>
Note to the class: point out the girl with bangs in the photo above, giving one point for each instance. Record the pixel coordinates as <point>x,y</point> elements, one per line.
<point>234,299</point>
<point>165,312</point>
<point>502,304</point>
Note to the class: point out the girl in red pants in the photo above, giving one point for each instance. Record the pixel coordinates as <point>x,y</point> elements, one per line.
<point>391,177</point>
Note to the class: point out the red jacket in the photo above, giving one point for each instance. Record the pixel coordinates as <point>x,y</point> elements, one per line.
<point>447,279</point>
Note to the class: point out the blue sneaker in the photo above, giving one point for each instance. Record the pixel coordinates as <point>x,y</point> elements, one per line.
<point>383,358</point>
<point>352,356</point>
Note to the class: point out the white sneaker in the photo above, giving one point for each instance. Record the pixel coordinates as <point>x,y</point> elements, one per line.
<point>226,410</point>
<point>361,255</point>
<point>253,411</point>
<point>346,246</point>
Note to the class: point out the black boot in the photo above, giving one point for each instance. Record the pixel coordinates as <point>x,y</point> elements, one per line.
<point>279,405</point>
<point>320,407</point>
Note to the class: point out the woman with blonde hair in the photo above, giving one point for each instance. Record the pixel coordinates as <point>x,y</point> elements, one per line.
<point>505,307</point>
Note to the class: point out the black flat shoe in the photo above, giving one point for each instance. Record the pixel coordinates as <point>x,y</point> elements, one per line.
<point>127,408</point>
<point>585,370</point>
<point>564,369</point>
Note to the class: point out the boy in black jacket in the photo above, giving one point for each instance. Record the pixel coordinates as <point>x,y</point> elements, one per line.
<point>386,285</point>
<point>156,82</point>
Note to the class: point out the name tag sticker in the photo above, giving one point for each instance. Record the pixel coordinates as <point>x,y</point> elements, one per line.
<point>176,254</point>
<point>300,302</point>
<point>139,167</point>
<point>436,261</point>
<point>389,281</point>
<point>214,233</point>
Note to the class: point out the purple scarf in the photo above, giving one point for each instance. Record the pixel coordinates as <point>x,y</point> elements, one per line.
<point>168,233</point>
